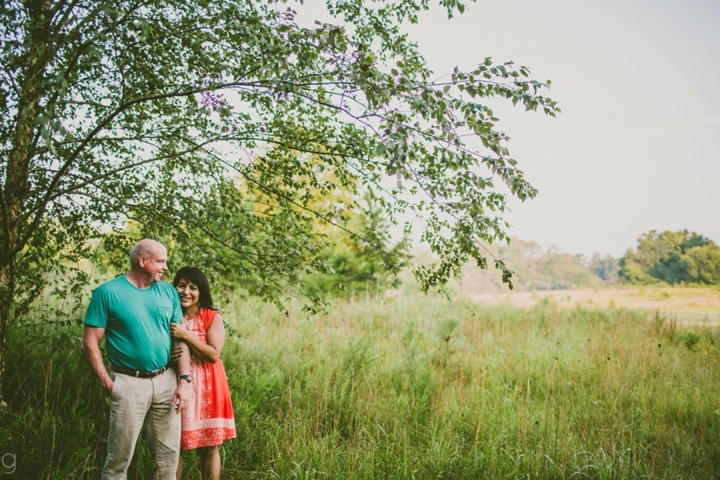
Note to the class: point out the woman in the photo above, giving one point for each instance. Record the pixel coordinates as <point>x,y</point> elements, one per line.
<point>209,418</point>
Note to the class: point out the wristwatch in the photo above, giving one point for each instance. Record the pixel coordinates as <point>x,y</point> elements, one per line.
<point>188,378</point>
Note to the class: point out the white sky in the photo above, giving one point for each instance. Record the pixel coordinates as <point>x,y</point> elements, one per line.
<point>637,146</point>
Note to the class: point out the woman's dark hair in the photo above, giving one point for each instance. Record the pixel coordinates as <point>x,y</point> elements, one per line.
<point>196,276</point>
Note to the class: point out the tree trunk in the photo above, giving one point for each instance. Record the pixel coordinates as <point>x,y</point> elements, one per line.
<point>7,287</point>
<point>14,193</point>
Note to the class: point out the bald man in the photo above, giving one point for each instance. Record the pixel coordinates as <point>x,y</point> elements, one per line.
<point>133,312</point>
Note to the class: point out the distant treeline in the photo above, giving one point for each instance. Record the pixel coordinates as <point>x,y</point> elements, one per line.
<point>539,269</point>
<point>356,266</point>
<point>673,258</point>
<point>668,257</point>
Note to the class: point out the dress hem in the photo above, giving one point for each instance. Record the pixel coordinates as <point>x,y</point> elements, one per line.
<point>207,438</point>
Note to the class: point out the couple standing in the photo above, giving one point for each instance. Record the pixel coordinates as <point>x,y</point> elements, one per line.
<point>145,321</point>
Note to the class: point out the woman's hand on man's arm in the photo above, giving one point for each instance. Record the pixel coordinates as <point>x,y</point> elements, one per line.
<point>205,351</point>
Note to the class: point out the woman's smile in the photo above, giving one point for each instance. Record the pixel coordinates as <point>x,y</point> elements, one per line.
<point>189,294</point>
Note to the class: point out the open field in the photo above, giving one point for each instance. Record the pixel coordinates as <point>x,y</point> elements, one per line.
<point>687,305</point>
<point>411,387</point>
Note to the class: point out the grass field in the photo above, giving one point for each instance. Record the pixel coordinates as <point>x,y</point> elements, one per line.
<point>412,387</point>
<point>687,305</point>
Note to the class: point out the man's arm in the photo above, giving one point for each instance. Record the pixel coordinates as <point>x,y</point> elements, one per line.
<point>93,356</point>
<point>183,392</point>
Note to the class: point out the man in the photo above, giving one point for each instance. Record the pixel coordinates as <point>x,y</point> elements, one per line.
<point>134,312</point>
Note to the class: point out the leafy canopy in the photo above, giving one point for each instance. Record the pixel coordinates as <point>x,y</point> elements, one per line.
<point>672,257</point>
<point>181,116</point>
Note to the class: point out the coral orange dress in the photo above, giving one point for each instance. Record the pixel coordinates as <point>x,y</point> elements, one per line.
<point>209,419</point>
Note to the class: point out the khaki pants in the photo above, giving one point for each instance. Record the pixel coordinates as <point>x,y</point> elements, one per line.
<point>135,402</point>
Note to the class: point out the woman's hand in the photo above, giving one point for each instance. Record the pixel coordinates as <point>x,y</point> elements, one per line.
<point>179,331</point>
<point>175,353</point>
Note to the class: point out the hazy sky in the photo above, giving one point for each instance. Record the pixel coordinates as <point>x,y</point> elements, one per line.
<point>637,146</point>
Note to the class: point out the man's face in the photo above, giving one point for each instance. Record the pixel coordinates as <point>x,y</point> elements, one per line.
<point>155,264</point>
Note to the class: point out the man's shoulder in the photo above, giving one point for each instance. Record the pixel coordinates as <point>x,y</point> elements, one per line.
<point>112,285</point>
<point>165,287</point>
<point>104,298</point>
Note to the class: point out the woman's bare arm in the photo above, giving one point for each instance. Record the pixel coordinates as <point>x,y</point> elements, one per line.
<point>210,351</point>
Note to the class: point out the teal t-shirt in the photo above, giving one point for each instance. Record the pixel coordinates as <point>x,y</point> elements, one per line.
<point>136,322</point>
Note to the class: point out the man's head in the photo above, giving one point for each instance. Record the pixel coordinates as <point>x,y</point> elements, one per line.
<point>149,259</point>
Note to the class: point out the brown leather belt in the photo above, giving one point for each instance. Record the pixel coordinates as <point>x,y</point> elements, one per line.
<point>138,373</point>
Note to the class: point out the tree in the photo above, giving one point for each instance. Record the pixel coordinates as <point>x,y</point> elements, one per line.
<point>144,110</point>
<point>702,264</point>
<point>363,260</point>
<point>605,267</point>
<point>672,257</point>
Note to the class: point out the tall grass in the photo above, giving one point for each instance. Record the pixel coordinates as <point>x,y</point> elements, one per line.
<point>411,387</point>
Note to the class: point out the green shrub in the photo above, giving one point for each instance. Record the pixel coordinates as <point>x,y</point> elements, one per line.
<point>689,338</point>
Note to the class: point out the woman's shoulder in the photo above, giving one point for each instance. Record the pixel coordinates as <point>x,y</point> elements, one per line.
<point>208,316</point>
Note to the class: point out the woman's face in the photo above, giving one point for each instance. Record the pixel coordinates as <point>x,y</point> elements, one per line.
<point>189,294</point>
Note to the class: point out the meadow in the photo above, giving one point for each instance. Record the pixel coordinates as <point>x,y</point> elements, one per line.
<point>412,386</point>
<point>689,305</point>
